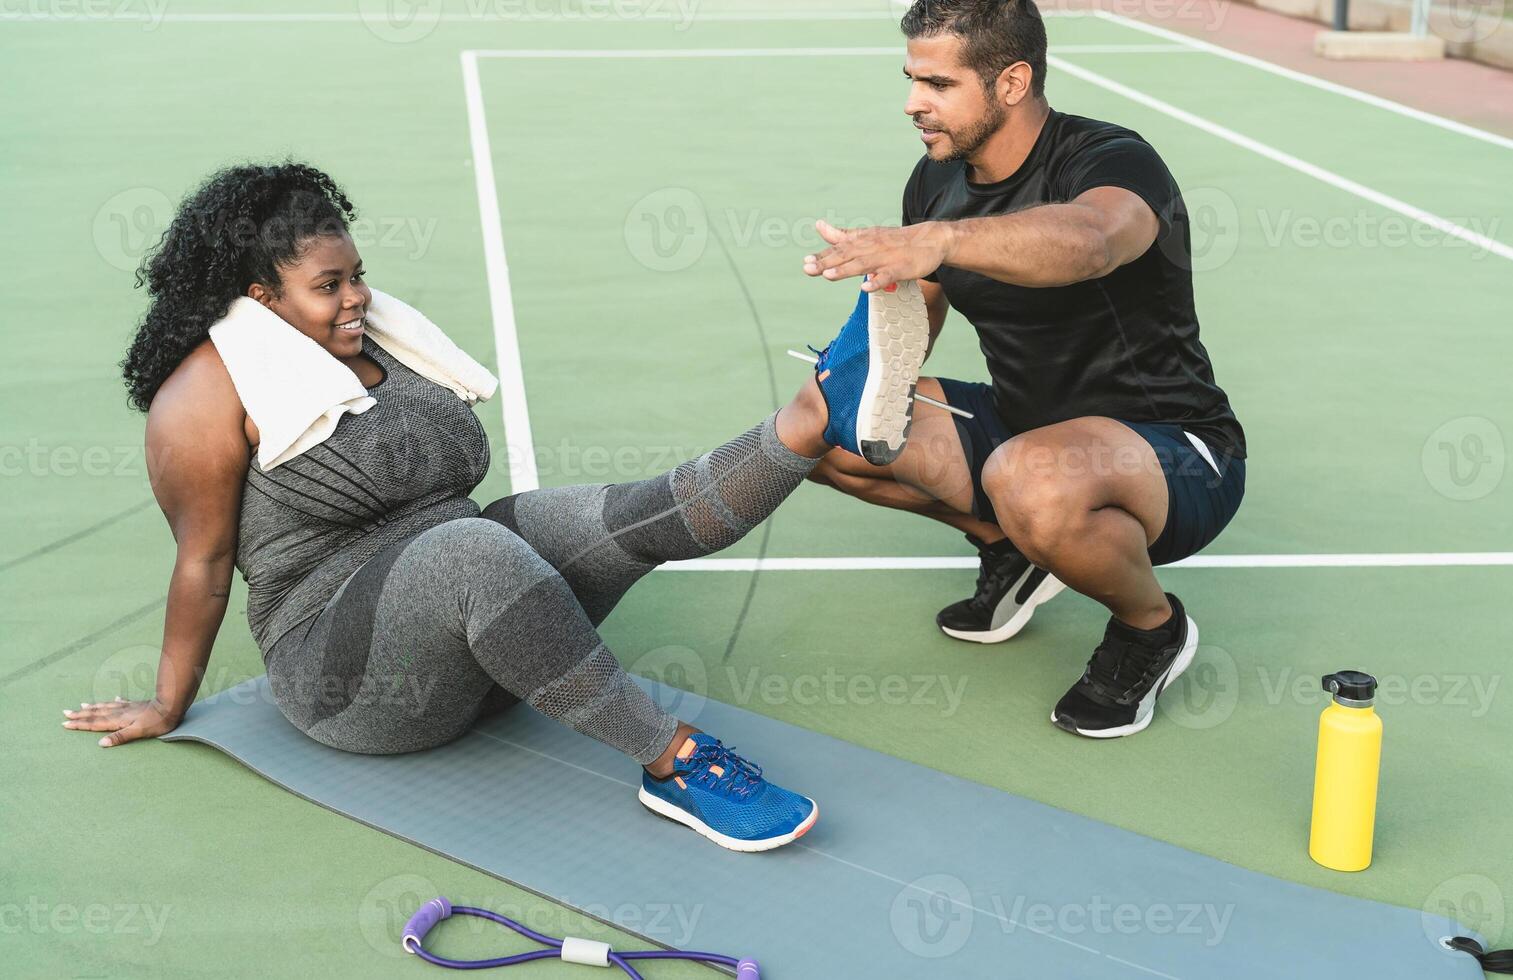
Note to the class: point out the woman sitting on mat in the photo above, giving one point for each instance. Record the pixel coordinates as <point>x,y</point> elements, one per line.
<point>390,612</point>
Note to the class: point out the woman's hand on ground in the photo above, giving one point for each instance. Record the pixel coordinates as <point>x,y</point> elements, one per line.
<point>126,721</point>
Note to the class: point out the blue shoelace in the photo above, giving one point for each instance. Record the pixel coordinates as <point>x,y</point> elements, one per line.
<point>741,777</point>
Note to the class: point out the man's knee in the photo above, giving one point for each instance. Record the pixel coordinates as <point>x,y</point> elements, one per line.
<point>1041,515</point>
<point>1040,508</point>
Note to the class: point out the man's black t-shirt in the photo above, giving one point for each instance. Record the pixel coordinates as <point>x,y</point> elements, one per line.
<point>1124,346</point>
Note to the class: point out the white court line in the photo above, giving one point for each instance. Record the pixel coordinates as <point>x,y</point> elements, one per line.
<point>722,16</point>
<point>519,443</point>
<point>660,53</point>
<point>144,17</point>
<point>523,473</point>
<point>1360,190</point>
<point>1464,559</point>
<point>1311,80</point>
<point>846,51</point>
<point>1124,49</point>
<point>519,439</point>
<point>1417,214</point>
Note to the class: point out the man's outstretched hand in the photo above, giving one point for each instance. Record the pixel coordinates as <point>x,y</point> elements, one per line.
<point>885,255</point>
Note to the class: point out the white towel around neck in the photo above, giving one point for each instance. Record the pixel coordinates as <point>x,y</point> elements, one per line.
<point>295,391</point>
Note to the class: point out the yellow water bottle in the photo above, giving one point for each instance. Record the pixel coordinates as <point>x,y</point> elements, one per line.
<point>1345,775</point>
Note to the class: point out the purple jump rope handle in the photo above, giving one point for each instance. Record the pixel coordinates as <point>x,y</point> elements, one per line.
<point>747,970</point>
<point>421,922</point>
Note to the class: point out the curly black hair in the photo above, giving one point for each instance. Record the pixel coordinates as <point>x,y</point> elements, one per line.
<point>237,229</point>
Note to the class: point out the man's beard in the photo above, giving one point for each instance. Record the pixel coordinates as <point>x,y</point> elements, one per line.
<point>972,139</point>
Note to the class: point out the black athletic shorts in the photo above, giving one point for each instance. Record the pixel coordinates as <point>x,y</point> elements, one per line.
<point>1203,487</point>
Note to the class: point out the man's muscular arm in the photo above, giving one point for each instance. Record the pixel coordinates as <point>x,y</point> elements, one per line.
<point>1049,245</point>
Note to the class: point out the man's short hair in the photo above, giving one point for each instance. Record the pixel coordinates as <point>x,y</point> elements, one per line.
<point>994,33</point>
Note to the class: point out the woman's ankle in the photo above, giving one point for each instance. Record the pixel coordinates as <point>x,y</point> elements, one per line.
<point>662,766</point>
<point>801,423</point>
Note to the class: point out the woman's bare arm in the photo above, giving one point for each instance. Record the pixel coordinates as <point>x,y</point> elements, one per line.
<point>197,459</point>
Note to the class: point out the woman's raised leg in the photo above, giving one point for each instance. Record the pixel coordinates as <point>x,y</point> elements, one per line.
<point>603,538</point>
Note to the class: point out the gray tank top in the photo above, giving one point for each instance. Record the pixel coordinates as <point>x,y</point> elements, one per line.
<point>405,465</point>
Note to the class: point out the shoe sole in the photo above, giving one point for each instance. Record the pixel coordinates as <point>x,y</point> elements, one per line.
<point>1044,592</point>
<point>1183,660</point>
<point>662,808</point>
<point>898,331</point>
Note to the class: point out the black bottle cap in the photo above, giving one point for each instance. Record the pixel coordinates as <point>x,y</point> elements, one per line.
<point>1351,685</point>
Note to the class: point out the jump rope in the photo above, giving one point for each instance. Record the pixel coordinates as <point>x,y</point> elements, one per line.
<point>570,949</point>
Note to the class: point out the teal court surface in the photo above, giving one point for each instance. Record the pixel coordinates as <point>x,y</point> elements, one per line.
<point>611,212</point>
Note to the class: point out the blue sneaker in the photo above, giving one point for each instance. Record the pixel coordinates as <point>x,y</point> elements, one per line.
<point>868,372</point>
<point>725,798</point>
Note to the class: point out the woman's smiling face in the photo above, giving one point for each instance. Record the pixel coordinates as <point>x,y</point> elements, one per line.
<point>322,294</point>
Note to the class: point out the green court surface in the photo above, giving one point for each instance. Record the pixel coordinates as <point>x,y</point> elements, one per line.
<point>654,211</point>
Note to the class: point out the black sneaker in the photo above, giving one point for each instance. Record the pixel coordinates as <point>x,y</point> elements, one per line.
<point>1129,670</point>
<point>1008,590</point>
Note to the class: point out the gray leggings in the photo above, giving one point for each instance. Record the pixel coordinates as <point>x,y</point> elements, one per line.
<point>475,614</point>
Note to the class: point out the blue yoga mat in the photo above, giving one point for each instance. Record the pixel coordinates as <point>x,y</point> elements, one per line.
<point>909,872</point>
